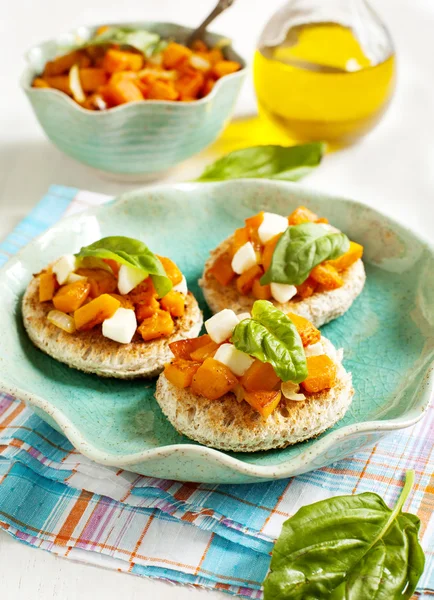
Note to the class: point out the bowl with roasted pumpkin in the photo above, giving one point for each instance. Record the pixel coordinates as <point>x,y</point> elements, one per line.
<point>255,395</point>
<point>133,99</point>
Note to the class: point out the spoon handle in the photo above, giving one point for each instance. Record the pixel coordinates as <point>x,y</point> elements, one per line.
<point>198,33</point>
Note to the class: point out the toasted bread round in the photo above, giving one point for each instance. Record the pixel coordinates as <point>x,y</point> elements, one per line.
<point>230,425</point>
<point>320,308</point>
<point>91,352</point>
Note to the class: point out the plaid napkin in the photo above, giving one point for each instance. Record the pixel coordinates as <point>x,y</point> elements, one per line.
<point>217,537</point>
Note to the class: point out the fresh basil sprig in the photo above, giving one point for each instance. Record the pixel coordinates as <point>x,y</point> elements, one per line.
<point>348,548</point>
<point>133,253</point>
<point>287,163</point>
<point>147,42</point>
<point>270,336</point>
<point>300,249</point>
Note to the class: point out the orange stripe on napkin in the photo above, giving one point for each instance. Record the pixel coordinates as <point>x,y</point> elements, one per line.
<point>73,518</point>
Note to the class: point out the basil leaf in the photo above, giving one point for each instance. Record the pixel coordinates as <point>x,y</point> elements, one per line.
<point>347,548</point>
<point>133,253</point>
<point>145,41</point>
<point>300,249</point>
<point>268,162</point>
<point>270,336</point>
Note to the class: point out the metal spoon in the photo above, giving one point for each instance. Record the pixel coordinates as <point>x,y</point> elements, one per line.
<point>199,32</point>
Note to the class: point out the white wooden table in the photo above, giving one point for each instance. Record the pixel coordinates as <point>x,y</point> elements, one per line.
<point>391,169</point>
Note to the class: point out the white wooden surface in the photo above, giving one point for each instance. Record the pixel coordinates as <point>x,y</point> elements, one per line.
<point>391,169</point>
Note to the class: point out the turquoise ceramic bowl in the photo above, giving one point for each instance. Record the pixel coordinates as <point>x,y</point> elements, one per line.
<point>387,335</point>
<point>138,138</point>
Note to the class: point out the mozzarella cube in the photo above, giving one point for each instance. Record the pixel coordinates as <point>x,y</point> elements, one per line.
<point>121,326</point>
<point>282,292</point>
<point>129,278</point>
<point>244,258</point>
<point>237,361</point>
<point>73,277</point>
<point>63,267</point>
<point>244,316</point>
<point>220,326</point>
<point>272,225</point>
<point>181,286</point>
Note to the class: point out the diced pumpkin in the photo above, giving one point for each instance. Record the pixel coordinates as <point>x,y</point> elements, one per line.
<point>263,402</point>
<point>71,296</point>
<point>38,82</point>
<point>91,79</point>
<point>121,60</point>
<point>59,82</point>
<point>208,86</point>
<point>260,376</point>
<point>349,258</point>
<point>174,302</point>
<point>199,46</point>
<point>162,90</point>
<point>321,374</point>
<point>95,312</point>
<point>213,380</point>
<point>160,324</point>
<point>190,84</point>
<point>261,292</point>
<point>124,300</point>
<point>307,288</point>
<point>215,55</point>
<point>222,269</point>
<point>121,91</point>
<point>204,352</point>
<point>268,251</point>
<point>101,281</point>
<point>144,311</point>
<point>252,224</point>
<point>246,280</point>
<point>172,270</point>
<point>62,64</point>
<point>113,264</point>
<point>225,67</point>
<point>144,292</point>
<point>308,332</point>
<point>240,237</point>
<point>180,372</point>
<point>184,348</point>
<point>302,215</point>
<point>174,54</point>
<point>47,286</point>
<point>327,276</point>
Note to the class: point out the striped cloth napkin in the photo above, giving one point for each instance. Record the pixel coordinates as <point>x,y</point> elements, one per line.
<point>213,536</point>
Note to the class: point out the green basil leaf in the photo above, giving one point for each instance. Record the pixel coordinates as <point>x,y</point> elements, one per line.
<point>300,249</point>
<point>140,39</point>
<point>268,162</point>
<point>270,336</point>
<point>347,548</point>
<point>133,253</point>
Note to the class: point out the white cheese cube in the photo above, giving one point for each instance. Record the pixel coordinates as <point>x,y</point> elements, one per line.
<point>244,258</point>
<point>63,267</point>
<point>272,225</point>
<point>220,326</point>
<point>237,361</point>
<point>282,292</point>
<point>121,326</point>
<point>129,278</point>
<point>181,286</point>
<point>244,316</point>
<point>73,277</point>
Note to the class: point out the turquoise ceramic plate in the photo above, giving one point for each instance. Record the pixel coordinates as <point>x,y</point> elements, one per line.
<point>388,334</point>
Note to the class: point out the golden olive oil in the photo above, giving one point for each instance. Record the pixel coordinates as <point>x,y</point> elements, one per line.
<point>319,85</point>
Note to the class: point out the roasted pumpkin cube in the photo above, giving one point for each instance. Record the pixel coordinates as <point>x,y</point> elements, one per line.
<point>260,376</point>
<point>263,402</point>
<point>267,254</point>
<point>71,296</point>
<point>213,380</point>
<point>202,353</point>
<point>113,264</point>
<point>208,86</point>
<point>172,270</point>
<point>121,91</point>
<point>59,82</point>
<point>349,258</point>
<point>307,288</point>
<point>245,280</point>
<point>241,237</point>
<point>308,332</point>
<point>101,281</point>
<point>124,300</point>
<point>38,82</point>
<point>95,312</point>
<point>190,84</point>
<point>174,54</point>
<point>47,286</point>
<point>215,55</point>
<point>162,90</point>
<point>91,79</point>
<point>302,215</point>
<point>180,372</point>
<point>252,224</point>
<point>327,276</point>
<point>199,46</point>
<point>144,311</point>
<point>321,374</point>
<point>225,67</point>
<point>121,60</point>
<point>261,292</point>
<point>62,64</point>
<point>143,293</point>
<point>184,348</point>
<point>160,324</point>
<point>173,302</point>
<point>222,269</point>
